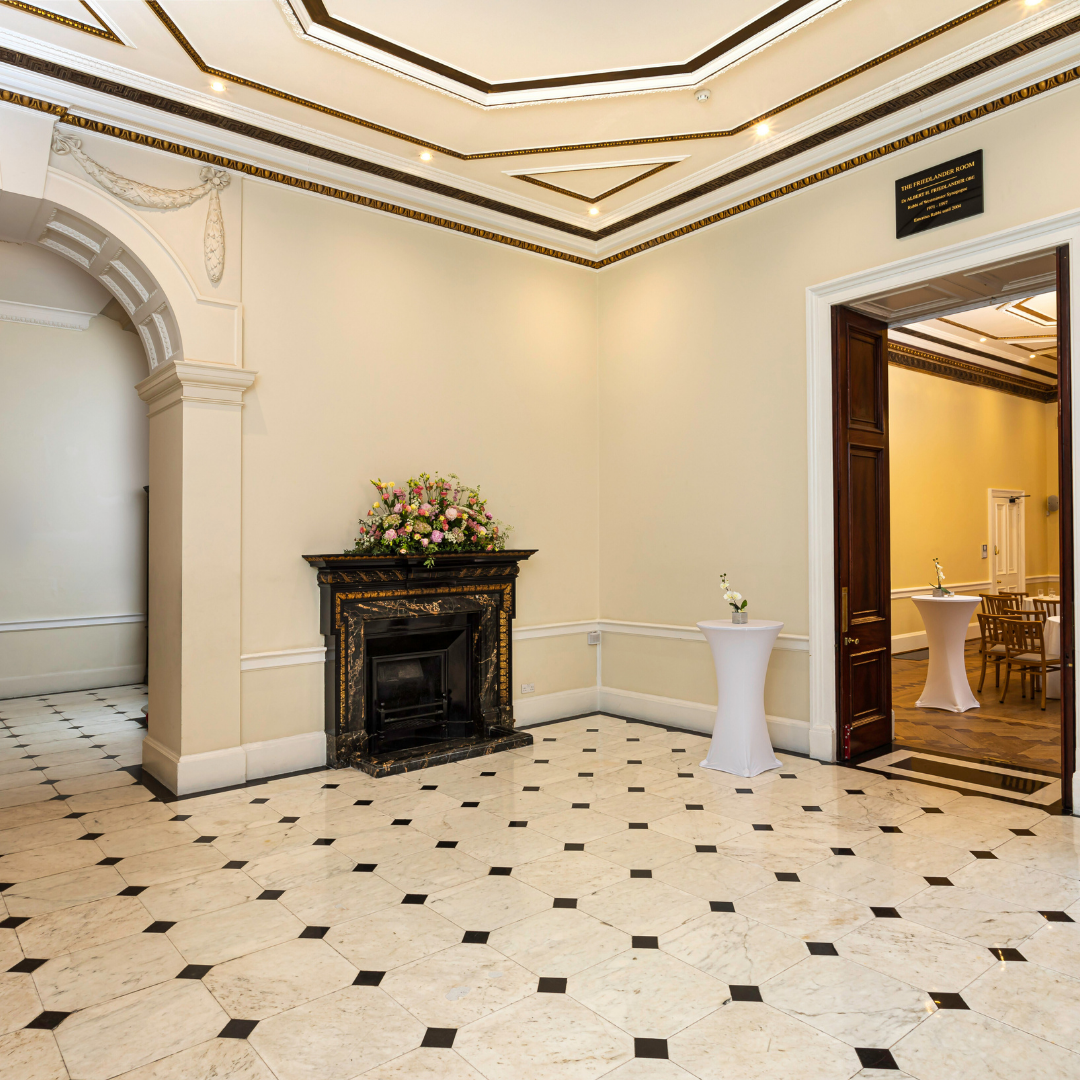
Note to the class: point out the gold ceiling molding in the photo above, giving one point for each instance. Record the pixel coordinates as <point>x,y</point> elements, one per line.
<point>138,138</point>
<point>239,80</point>
<point>101,30</point>
<point>948,367</point>
<point>533,179</point>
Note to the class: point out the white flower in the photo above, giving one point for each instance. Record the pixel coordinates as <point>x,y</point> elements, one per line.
<point>736,596</point>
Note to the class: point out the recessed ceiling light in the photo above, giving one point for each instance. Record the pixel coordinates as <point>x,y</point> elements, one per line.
<point>1032,3</point>
<point>1031,356</point>
<point>593,211</point>
<point>217,85</point>
<point>762,129</point>
<point>425,155</point>
<point>982,339</point>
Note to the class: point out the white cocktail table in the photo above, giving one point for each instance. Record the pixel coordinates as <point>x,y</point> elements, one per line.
<point>740,743</point>
<point>946,620</point>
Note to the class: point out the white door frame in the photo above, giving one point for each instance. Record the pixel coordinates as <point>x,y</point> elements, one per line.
<point>1035,236</point>
<point>1008,493</point>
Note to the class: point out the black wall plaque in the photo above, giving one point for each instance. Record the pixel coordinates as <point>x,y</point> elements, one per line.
<point>938,196</point>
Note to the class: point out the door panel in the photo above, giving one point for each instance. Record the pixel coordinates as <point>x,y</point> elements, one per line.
<point>863,578</point>
<point>1065,527</point>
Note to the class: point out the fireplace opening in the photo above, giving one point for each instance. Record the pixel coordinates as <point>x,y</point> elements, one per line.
<point>421,683</point>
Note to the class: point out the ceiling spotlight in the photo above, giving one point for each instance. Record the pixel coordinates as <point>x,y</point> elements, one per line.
<point>217,85</point>
<point>762,129</point>
<point>982,339</point>
<point>425,155</point>
<point>1032,3</point>
<point>1031,356</point>
<point>703,95</point>
<point>593,211</point>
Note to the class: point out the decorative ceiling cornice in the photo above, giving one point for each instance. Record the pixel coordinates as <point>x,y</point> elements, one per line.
<point>916,96</point>
<point>101,30</point>
<point>948,367</point>
<point>1005,101</point>
<point>970,350</point>
<point>723,133</point>
<point>534,178</point>
<point>313,22</point>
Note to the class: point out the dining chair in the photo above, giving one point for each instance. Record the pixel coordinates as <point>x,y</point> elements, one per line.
<point>1001,603</point>
<point>992,647</point>
<point>1050,607</point>
<point>1026,651</point>
<point>1011,592</point>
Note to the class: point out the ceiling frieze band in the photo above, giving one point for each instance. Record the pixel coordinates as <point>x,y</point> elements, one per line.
<point>1014,98</point>
<point>916,96</point>
<point>101,30</point>
<point>414,140</point>
<point>948,367</point>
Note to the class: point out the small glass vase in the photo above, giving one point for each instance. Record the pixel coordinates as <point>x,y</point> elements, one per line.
<point>740,617</point>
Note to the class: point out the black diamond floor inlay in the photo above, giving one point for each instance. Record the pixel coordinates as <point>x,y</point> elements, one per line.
<point>1022,832</point>
<point>260,800</point>
<point>565,901</point>
<point>323,841</point>
<point>573,847</point>
<point>886,912</point>
<point>874,1058</point>
<point>204,839</point>
<point>440,1037</point>
<point>500,871</point>
<point>1008,954</point>
<point>842,851</point>
<point>132,890</point>
<point>110,860</point>
<point>447,844</point>
<point>984,855</point>
<point>636,790</point>
<point>518,824</point>
<point>194,971</point>
<point>705,849</point>
<point>744,993</point>
<point>368,978</point>
<point>782,876</point>
<point>931,810</point>
<point>551,986</point>
<point>641,873</point>
<point>638,825</point>
<point>940,881</point>
<point>48,1020</point>
<point>651,1048</point>
<point>643,941</point>
<point>362,802</point>
<point>475,937</point>
<point>948,1001</point>
<point>721,905</point>
<point>235,864</point>
<point>401,821</point>
<point>287,820</point>
<point>432,787</point>
<point>694,806</point>
<point>889,828</point>
<point>1056,916</point>
<point>415,898</point>
<point>24,967</point>
<point>270,894</point>
<point>159,927</point>
<point>763,828</point>
<point>579,806</point>
<point>469,805</point>
<point>315,931</point>
<point>238,1029</point>
<point>822,948</point>
<point>364,867</point>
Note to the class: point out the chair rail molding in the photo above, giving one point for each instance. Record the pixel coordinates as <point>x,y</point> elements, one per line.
<point>59,624</point>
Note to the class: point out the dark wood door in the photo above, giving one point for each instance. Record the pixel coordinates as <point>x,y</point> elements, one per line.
<point>1065,525</point>
<point>863,577</point>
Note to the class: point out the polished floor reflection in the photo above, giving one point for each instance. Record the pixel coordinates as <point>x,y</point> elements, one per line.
<point>595,905</point>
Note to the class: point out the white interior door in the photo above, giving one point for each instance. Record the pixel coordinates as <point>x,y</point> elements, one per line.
<point>1007,554</point>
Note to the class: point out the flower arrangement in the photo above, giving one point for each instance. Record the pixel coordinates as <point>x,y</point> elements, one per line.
<point>939,588</point>
<point>733,598</point>
<point>429,514</point>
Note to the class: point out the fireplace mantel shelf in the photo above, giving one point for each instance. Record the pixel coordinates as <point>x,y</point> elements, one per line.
<point>442,561</point>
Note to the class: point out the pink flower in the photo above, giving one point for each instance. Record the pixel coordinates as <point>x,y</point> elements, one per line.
<point>487,515</point>
<point>399,492</point>
<point>436,536</point>
<point>424,542</point>
<point>397,508</point>
<point>390,534</point>
<point>452,513</point>
<point>488,548</point>
<point>425,509</point>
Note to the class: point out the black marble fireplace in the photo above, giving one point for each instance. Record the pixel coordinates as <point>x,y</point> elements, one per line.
<point>418,659</point>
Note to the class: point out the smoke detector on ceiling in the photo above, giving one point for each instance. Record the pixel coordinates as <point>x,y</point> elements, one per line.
<point>703,95</point>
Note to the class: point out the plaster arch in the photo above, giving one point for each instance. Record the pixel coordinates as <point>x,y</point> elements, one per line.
<point>194,393</point>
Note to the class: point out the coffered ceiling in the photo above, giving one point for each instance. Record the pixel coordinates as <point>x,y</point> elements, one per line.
<point>579,131</point>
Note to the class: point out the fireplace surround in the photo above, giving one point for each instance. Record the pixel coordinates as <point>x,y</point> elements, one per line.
<point>418,659</point>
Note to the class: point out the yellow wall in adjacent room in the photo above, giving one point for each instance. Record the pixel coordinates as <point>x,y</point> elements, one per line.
<point>949,443</point>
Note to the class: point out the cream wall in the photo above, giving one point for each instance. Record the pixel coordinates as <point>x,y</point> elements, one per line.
<point>949,443</point>
<point>73,462</point>
<point>703,393</point>
<point>385,348</point>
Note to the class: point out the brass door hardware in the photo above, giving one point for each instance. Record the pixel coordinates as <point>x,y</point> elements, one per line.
<point>851,641</point>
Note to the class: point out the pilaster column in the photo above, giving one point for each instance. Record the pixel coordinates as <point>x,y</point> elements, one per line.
<point>193,742</point>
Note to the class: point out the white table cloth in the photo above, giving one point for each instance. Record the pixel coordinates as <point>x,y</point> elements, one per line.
<point>946,620</point>
<point>740,743</point>
<point>1052,644</point>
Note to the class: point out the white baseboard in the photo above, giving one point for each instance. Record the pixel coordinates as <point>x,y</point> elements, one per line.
<point>235,764</point>
<point>58,682</point>
<point>543,707</point>
<point>786,734</point>
<point>917,640</point>
<point>277,756</point>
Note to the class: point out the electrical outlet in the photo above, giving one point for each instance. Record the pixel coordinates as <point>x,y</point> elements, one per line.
<point>528,688</point>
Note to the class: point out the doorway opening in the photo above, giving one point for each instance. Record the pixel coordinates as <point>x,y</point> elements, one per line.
<point>952,450</point>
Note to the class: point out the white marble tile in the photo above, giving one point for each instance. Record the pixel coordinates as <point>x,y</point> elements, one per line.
<point>99,782</point>
<point>14,764</point>
<point>1050,854</point>
<point>1056,946</point>
<point>1038,1000</point>
<point>23,796</point>
<point>198,894</point>
<point>833,830</point>
<point>699,826</point>
<point>170,864</point>
<point>338,1036</point>
<point>10,950</point>
<point>471,789</point>
<point>799,910</point>
<point>874,810</point>
<point>375,845</point>
<point>224,935</point>
<point>20,779</point>
<point>298,866</point>
<point>47,861</point>
<point>578,826</point>
<point>425,1063</point>
<point>916,794</point>
<point>732,948</point>
<point>915,854</point>
<point>91,801</point>
<point>431,871</point>
<point>31,1055</point>
<point>454,987</point>
<point>714,877</point>
<point>83,926</point>
<point>76,769</point>
<point>134,1030</point>
<point>918,955</point>
<point>525,805</point>
<point>639,849</point>
<point>559,942</point>
<point>960,832</point>
<point>19,1002</point>
<point>63,890</point>
<point>392,936</point>
<point>233,818</point>
<point>775,851</point>
<point>570,873</point>
<point>125,843</point>
<point>759,1043</point>
<point>510,847</point>
<point>340,898</point>
<point>1008,815</point>
<point>457,824</point>
<point>958,1044</point>
<point>217,1059</point>
<point>1019,884</point>
<point>544,1037</point>
<point>973,915</point>
<point>40,834</point>
<point>649,1069</point>
<point>489,903</point>
<point>643,906</point>
<point>264,983</point>
<point>262,840</point>
<point>864,880</point>
<point>590,789</point>
<point>92,976</point>
<point>129,816</point>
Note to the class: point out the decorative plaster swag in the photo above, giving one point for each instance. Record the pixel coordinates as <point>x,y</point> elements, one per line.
<point>155,198</point>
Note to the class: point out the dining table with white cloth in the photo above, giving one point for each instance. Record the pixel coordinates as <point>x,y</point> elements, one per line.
<point>1052,645</point>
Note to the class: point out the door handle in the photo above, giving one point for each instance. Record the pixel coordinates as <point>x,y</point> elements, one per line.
<point>851,641</point>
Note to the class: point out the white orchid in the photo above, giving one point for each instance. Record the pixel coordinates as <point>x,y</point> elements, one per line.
<point>734,598</point>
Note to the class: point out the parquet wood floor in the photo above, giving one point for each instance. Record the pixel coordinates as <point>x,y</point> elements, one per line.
<point>1016,732</point>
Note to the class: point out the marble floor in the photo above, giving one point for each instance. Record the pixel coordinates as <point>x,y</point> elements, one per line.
<point>596,905</point>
